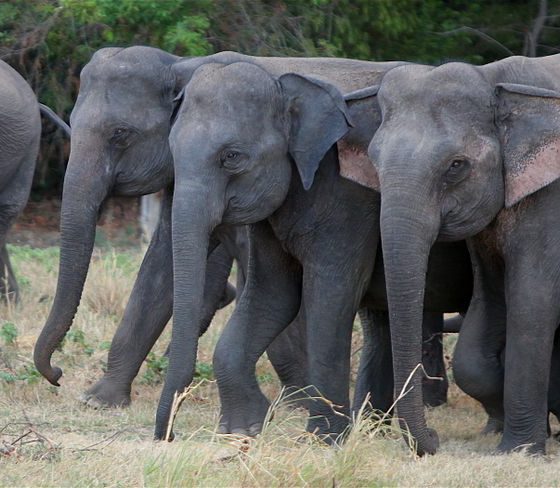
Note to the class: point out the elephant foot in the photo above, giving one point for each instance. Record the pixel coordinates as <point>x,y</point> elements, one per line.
<point>508,445</point>
<point>295,397</point>
<point>331,429</point>
<point>248,420</point>
<point>493,426</point>
<point>106,394</point>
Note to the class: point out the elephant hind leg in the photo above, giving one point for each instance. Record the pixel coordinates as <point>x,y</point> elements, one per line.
<point>9,289</point>
<point>434,383</point>
<point>288,355</point>
<point>375,373</point>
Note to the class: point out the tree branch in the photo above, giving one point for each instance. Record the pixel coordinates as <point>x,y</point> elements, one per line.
<point>480,34</point>
<point>538,24</point>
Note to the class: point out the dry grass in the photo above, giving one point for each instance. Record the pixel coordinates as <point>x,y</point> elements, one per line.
<point>48,439</point>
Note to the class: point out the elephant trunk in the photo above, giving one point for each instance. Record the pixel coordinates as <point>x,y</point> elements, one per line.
<point>195,215</point>
<point>85,188</point>
<point>407,237</point>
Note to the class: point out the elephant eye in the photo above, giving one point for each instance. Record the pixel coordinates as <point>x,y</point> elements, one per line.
<point>233,161</point>
<point>121,137</point>
<point>457,171</point>
<point>457,163</point>
<point>230,156</point>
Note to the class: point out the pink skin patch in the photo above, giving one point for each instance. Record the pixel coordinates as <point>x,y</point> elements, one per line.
<point>538,168</point>
<point>356,166</point>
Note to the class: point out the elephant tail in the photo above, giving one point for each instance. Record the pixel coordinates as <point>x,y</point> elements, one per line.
<point>49,113</point>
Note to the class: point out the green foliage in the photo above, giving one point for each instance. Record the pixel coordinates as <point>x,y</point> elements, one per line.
<point>41,258</point>
<point>78,338</point>
<point>203,371</point>
<point>156,367</point>
<point>9,333</point>
<point>49,41</point>
<point>27,374</point>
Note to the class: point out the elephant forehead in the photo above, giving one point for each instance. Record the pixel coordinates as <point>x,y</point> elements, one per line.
<point>233,85</point>
<point>451,88</point>
<point>121,77</point>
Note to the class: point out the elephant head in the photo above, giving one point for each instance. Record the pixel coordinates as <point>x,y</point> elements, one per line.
<point>454,148</point>
<point>238,136</point>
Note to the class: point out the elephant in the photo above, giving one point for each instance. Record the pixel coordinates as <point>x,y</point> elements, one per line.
<point>119,145</point>
<point>20,133</point>
<point>479,161</point>
<point>268,149</point>
<point>101,164</point>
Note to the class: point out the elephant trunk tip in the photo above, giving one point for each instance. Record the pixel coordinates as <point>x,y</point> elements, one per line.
<point>51,373</point>
<point>427,444</point>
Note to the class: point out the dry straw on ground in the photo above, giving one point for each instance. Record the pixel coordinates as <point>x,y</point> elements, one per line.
<point>48,439</point>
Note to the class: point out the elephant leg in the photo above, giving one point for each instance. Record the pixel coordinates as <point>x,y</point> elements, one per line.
<point>434,382</point>
<point>9,288</point>
<point>228,295</point>
<point>148,311</point>
<point>288,356</point>
<point>532,296</point>
<point>453,325</point>
<point>268,304</point>
<point>477,363</point>
<point>287,353</point>
<point>332,292</point>
<point>13,199</point>
<point>554,381</point>
<point>375,373</point>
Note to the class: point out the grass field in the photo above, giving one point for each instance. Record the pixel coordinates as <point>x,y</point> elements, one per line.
<point>48,439</point>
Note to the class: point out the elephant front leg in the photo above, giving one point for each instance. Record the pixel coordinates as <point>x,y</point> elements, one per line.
<point>532,318</point>
<point>269,303</point>
<point>148,311</point>
<point>331,295</point>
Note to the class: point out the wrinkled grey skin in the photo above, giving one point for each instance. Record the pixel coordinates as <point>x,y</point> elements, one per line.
<point>120,146</point>
<point>120,128</point>
<point>251,148</point>
<point>20,132</point>
<point>479,161</point>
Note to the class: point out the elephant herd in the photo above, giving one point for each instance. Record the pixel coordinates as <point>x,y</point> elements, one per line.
<point>395,191</point>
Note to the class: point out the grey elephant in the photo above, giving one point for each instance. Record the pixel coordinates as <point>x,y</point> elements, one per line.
<point>20,133</point>
<point>106,160</point>
<point>252,145</point>
<point>120,145</point>
<point>478,160</point>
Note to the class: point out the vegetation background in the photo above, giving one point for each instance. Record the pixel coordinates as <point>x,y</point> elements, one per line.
<point>49,41</point>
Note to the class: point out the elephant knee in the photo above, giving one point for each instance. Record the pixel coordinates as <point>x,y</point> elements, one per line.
<point>478,376</point>
<point>228,363</point>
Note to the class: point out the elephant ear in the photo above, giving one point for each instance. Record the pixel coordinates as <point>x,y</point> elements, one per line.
<point>355,164</point>
<point>528,119</point>
<point>176,105</point>
<point>318,118</point>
